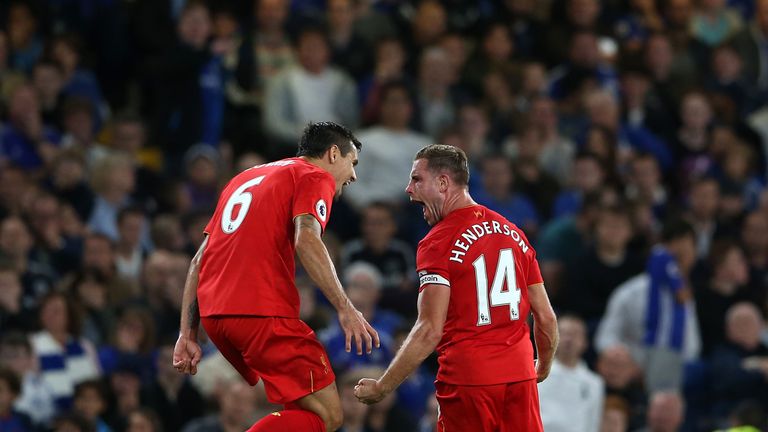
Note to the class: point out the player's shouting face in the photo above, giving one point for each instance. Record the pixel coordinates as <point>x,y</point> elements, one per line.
<point>342,168</point>
<point>428,189</point>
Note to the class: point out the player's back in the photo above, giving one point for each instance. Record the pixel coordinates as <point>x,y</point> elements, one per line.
<point>488,263</point>
<point>248,265</point>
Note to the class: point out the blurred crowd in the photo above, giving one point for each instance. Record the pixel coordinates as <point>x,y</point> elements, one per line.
<point>591,124</point>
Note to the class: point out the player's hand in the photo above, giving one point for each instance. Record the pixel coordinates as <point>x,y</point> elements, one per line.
<point>356,327</point>
<point>542,370</point>
<point>186,355</point>
<point>369,391</point>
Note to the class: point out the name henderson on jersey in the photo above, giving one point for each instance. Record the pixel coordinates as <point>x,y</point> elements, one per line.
<point>477,231</point>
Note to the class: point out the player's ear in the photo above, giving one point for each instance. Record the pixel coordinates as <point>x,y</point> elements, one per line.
<point>333,153</point>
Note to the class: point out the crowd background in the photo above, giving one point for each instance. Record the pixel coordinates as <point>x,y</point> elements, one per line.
<point>588,123</point>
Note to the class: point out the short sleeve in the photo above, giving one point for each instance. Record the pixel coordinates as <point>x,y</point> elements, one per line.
<point>209,226</point>
<point>314,195</point>
<point>534,272</point>
<point>432,263</point>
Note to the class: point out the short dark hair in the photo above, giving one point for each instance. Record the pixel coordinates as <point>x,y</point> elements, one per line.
<point>10,378</point>
<point>130,210</point>
<point>92,384</point>
<point>441,157</point>
<point>319,137</point>
<point>675,229</point>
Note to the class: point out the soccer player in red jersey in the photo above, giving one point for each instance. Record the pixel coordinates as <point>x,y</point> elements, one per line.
<point>241,281</point>
<point>478,280</point>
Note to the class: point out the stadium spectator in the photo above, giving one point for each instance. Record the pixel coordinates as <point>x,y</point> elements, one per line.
<point>572,397</point>
<point>65,358</point>
<point>391,144</point>
<point>363,283</point>
<point>741,363</point>
<point>334,94</point>
<point>90,402</point>
<point>36,398</point>
<point>607,263</point>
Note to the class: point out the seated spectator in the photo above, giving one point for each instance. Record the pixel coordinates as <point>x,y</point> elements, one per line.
<point>623,382</point>
<point>571,397</point>
<point>37,278</point>
<point>391,256</point>
<point>747,42</point>
<point>79,81</point>
<point>748,416</point>
<point>334,94</point>
<point>53,245</point>
<point>238,406</point>
<point>615,414</point>
<point>437,98</point>
<point>316,316</point>
<point>389,67</point>
<point>25,140</point>
<point>562,240</point>
<point>653,314</point>
<point>723,286</point>
<point>704,201</point>
<point>10,389</point>
<point>144,420</point>
<point>665,412</point>
<point>389,149</point>
<point>124,389</point>
<point>113,179</point>
<point>593,276</point>
<point>68,182</point>
<point>25,38</point>
<point>203,171</point>
<point>36,399</point>
<point>91,290</point>
<point>65,358</point>
<point>12,315</point>
<point>363,283</point>
<point>171,393</point>
<point>48,80</point>
<point>741,363</point>
<point>132,340</point>
<point>645,184</point>
<point>498,194</point>
<point>355,413</point>
<point>99,257</point>
<point>557,151</point>
<point>80,131</point>
<point>583,62</point>
<point>90,402</point>
<point>587,176</point>
<point>129,253</point>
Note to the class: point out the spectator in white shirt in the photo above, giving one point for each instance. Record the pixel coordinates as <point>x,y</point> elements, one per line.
<point>309,91</point>
<point>389,150</point>
<point>572,397</point>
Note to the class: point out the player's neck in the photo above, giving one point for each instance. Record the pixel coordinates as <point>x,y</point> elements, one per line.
<point>458,200</point>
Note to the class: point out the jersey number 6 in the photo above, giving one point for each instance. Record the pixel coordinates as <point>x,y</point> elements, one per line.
<point>505,272</point>
<point>239,196</point>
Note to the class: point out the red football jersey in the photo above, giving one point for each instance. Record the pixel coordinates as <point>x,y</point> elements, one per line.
<point>248,265</point>
<point>488,264</point>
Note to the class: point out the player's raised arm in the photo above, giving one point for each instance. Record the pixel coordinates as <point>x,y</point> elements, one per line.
<point>187,352</point>
<point>544,329</point>
<point>317,262</point>
<point>421,341</point>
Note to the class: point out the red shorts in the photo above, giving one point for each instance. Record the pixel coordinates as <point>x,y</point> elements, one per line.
<point>512,407</point>
<point>284,352</point>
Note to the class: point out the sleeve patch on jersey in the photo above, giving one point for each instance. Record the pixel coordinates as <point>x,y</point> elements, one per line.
<point>433,279</point>
<point>322,210</point>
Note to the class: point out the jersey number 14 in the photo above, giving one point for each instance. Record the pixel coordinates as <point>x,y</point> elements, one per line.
<point>505,275</point>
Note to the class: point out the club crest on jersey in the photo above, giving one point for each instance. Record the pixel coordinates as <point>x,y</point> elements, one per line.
<point>321,210</point>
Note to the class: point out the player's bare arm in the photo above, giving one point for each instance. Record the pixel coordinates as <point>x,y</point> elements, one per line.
<point>187,352</point>
<point>317,262</point>
<point>421,341</point>
<point>544,329</point>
